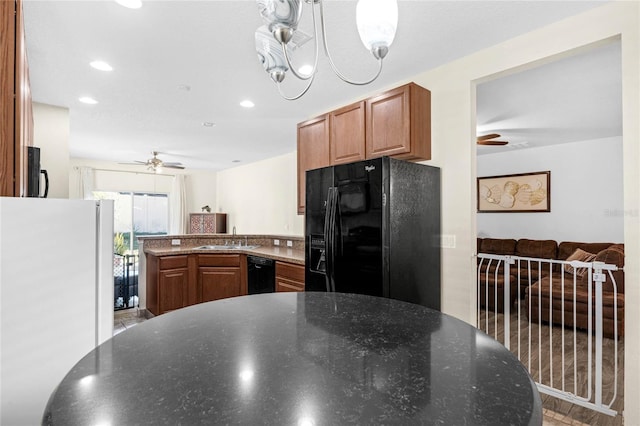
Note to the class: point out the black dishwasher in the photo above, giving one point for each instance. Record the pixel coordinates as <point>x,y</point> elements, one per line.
<point>261,275</point>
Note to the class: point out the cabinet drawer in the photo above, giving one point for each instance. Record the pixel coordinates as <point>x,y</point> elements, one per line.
<point>290,270</point>
<point>173,262</point>
<point>284,284</point>
<point>219,260</point>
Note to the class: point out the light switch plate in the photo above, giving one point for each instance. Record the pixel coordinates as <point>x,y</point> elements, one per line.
<point>289,243</point>
<point>175,242</point>
<point>276,242</point>
<point>448,241</point>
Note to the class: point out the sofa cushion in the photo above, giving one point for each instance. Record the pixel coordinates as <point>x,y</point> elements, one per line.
<point>582,256</point>
<point>566,248</point>
<point>542,249</point>
<point>503,246</point>
<point>613,255</point>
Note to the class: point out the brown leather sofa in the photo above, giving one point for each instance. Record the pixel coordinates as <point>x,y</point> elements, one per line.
<point>552,285</point>
<point>534,280</point>
<point>522,273</point>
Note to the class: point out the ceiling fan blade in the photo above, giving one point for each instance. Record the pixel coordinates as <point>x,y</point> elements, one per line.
<point>171,163</point>
<point>172,166</point>
<point>493,143</point>
<point>135,163</point>
<point>489,136</point>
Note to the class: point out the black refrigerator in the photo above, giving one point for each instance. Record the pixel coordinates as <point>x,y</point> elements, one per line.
<point>373,227</point>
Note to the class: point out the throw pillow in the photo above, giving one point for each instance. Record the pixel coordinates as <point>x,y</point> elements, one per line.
<point>582,256</point>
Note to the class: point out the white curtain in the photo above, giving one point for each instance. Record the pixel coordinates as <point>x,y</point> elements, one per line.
<point>178,207</point>
<point>86,183</point>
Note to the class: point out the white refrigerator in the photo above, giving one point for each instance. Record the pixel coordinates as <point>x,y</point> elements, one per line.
<point>56,296</point>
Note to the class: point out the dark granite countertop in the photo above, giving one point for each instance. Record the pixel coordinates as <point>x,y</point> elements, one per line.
<point>298,359</point>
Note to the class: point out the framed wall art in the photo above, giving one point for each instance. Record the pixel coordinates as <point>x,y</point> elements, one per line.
<point>524,192</point>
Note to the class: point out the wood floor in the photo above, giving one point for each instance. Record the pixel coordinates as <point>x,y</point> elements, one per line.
<point>548,365</point>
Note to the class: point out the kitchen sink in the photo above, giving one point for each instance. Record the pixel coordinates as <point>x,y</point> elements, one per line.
<point>225,247</point>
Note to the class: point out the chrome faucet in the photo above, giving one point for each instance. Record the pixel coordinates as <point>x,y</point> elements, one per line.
<point>234,231</point>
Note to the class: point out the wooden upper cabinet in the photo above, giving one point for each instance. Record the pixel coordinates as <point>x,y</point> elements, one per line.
<point>313,151</point>
<point>7,92</point>
<point>16,116</point>
<point>399,123</point>
<point>347,135</point>
<point>396,123</point>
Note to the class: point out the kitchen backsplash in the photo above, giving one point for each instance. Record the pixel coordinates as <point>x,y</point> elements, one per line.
<point>196,240</point>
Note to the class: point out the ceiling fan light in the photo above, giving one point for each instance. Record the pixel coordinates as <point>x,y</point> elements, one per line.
<point>377,22</point>
<point>281,15</point>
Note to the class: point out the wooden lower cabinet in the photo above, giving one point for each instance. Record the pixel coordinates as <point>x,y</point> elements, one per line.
<point>173,289</point>
<point>219,283</point>
<point>170,284</point>
<point>289,277</point>
<point>174,282</point>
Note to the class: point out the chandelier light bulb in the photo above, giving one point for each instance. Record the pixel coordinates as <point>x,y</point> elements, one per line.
<point>377,22</point>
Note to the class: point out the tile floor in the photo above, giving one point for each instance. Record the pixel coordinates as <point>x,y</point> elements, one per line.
<point>125,319</point>
<point>128,318</point>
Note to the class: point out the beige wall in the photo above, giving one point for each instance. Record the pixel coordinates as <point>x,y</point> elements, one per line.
<point>51,135</point>
<point>260,198</point>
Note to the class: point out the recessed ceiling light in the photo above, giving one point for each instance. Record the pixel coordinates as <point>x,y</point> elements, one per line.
<point>87,100</point>
<point>208,124</point>
<point>236,161</point>
<point>305,69</point>
<point>131,4</point>
<point>247,104</point>
<point>101,65</point>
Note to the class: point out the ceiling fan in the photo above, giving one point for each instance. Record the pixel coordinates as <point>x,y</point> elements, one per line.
<point>490,140</point>
<point>157,164</point>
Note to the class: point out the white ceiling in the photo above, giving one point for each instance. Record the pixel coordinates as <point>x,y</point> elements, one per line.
<point>209,46</point>
<point>574,99</point>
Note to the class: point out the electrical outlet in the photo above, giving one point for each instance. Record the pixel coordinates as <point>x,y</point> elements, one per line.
<point>289,243</point>
<point>175,242</point>
<point>276,242</point>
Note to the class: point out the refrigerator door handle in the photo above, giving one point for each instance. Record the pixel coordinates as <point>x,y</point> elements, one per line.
<point>334,208</point>
<point>330,237</point>
<point>327,240</point>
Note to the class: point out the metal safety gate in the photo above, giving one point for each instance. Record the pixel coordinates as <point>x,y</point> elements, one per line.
<point>125,280</point>
<point>542,321</point>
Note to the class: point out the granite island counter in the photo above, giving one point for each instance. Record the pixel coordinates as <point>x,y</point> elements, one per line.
<point>299,358</point>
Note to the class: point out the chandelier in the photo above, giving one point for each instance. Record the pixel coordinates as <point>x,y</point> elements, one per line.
<point>279,37</point>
